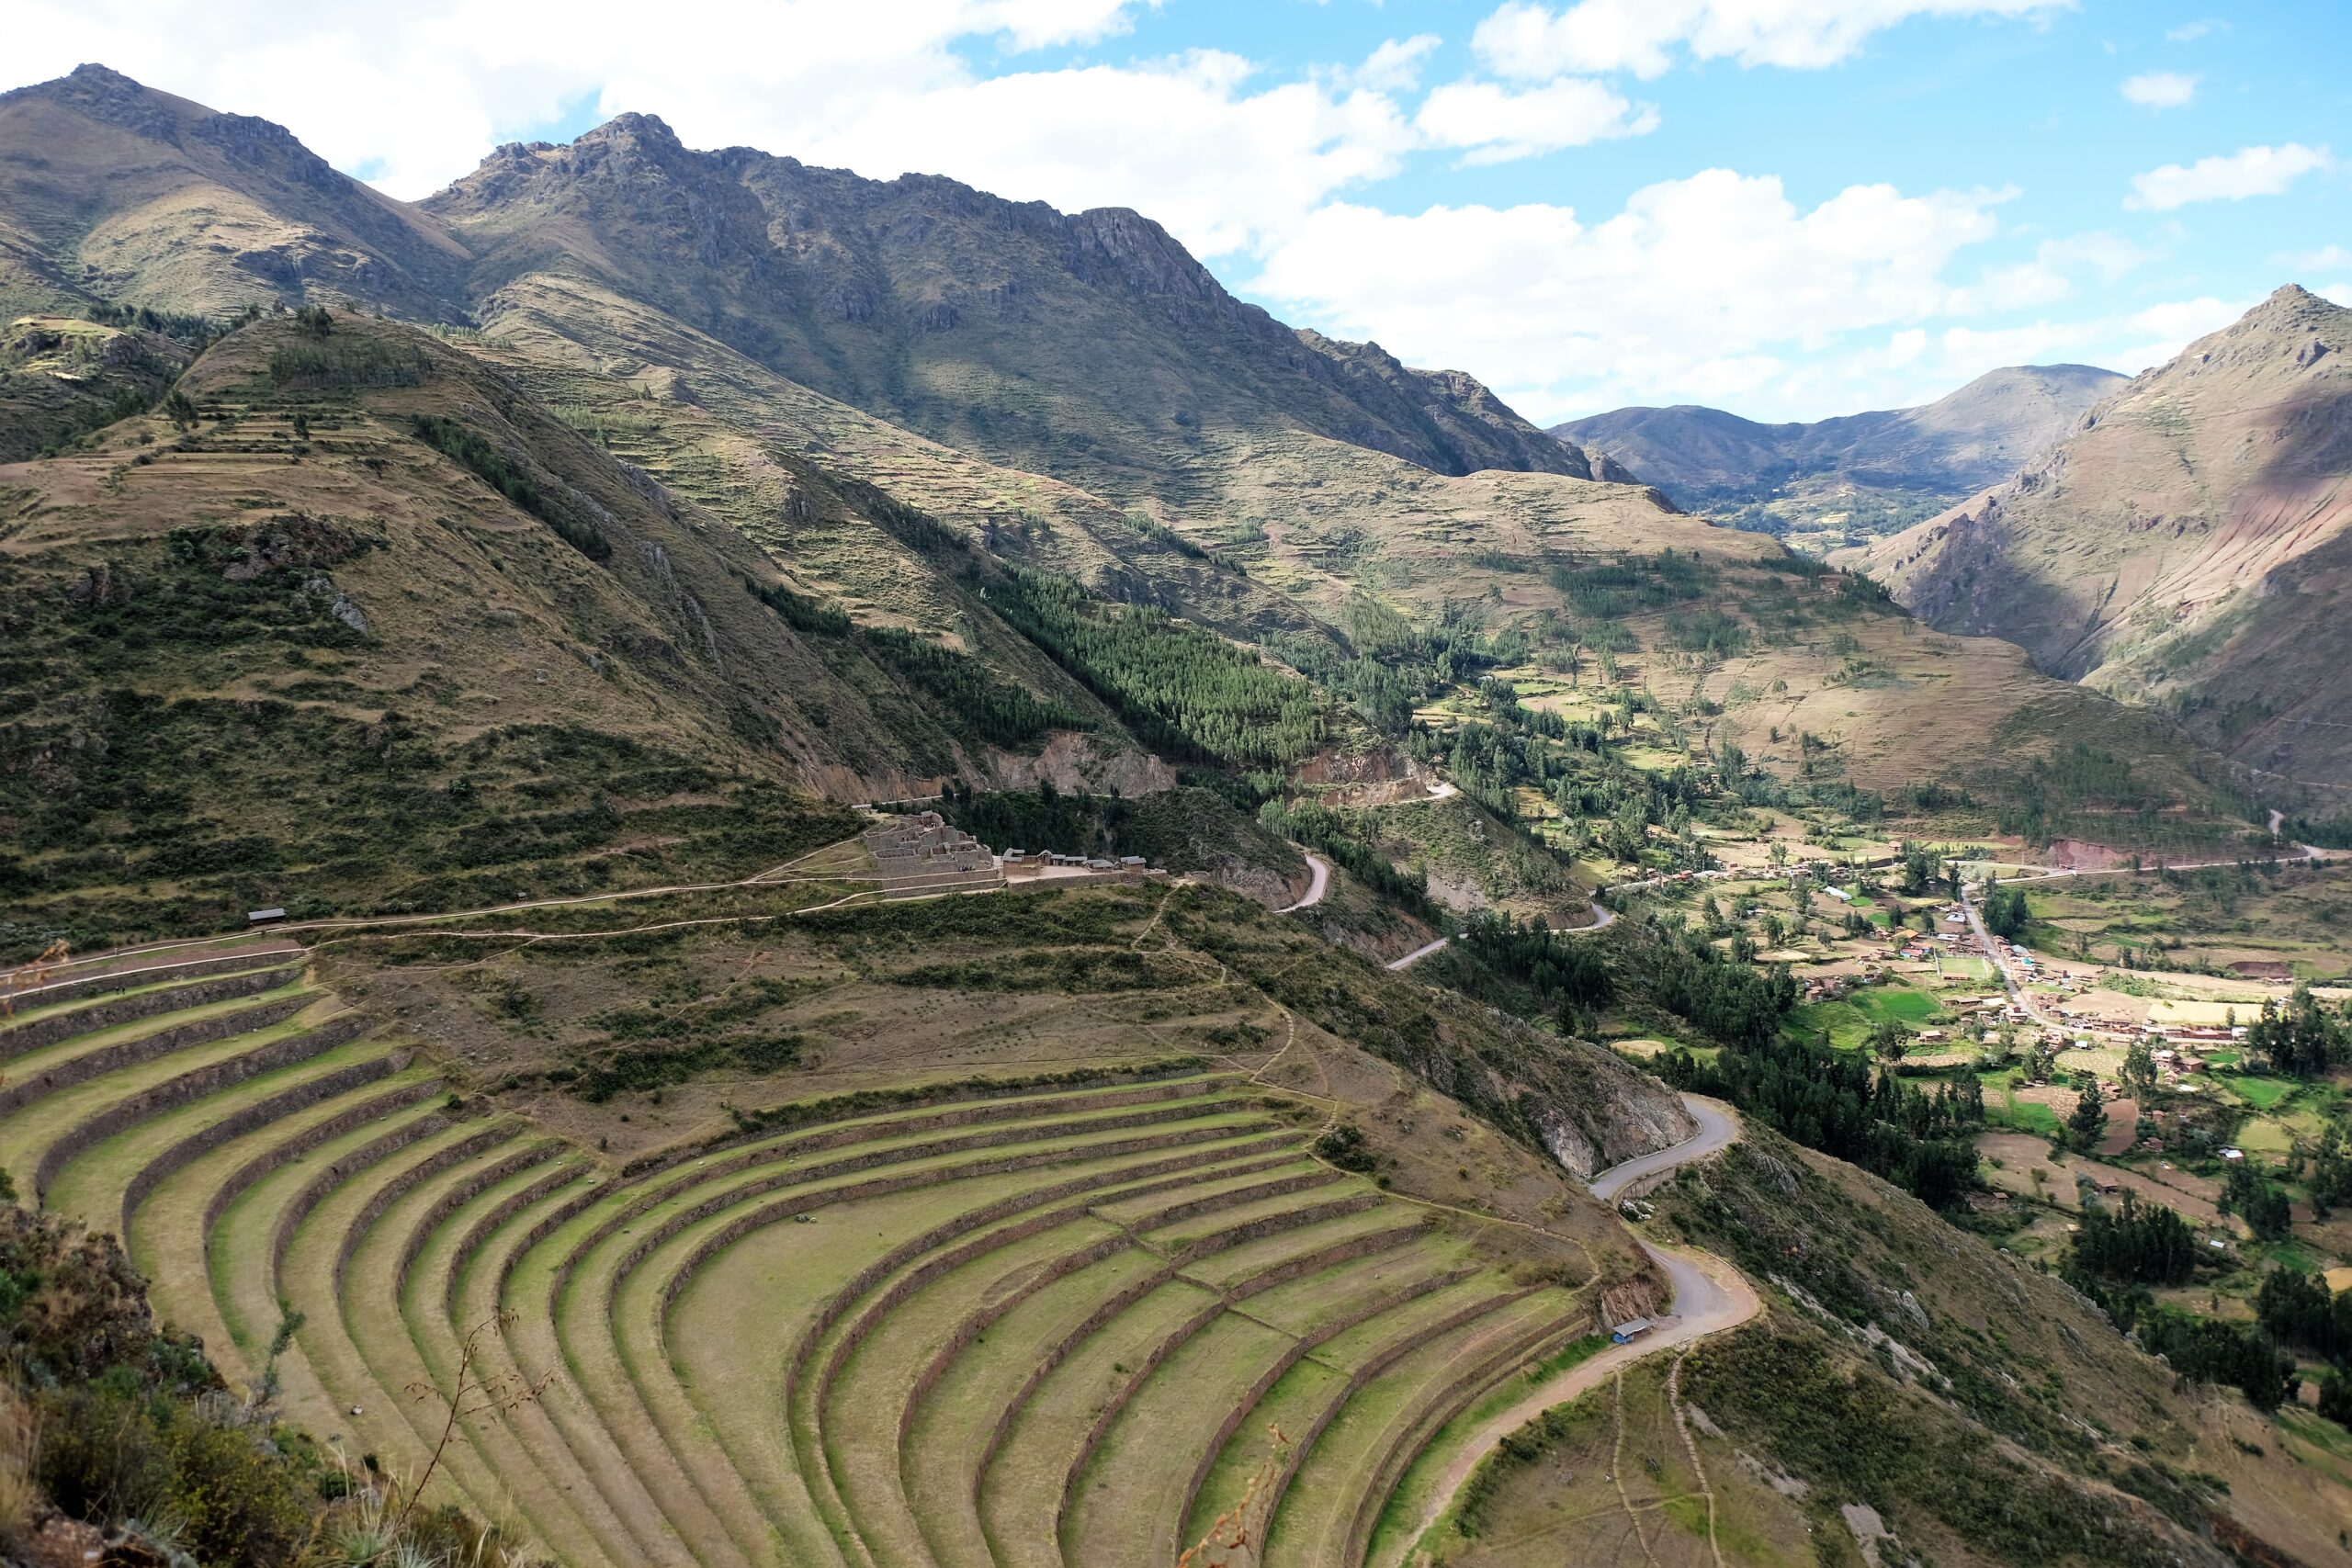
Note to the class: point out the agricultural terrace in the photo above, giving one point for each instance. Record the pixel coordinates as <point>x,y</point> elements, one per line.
<point>1042,1318</point>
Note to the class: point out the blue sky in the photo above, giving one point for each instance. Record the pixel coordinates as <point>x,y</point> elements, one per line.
<point>1787,207</point>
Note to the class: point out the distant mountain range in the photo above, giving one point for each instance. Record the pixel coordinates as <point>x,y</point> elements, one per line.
<point>2190,545</point>
<point>1861,475</point>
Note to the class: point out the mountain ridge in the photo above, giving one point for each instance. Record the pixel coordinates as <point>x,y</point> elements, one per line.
<point>1853,470</point>
<point>854,286</point>
<point>2187,545</point>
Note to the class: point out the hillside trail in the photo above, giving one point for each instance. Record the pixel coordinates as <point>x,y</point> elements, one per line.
<point>772,876</point>
<point>1709,1296</point>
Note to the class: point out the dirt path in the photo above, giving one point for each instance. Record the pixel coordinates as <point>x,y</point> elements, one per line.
<point>85,963</point>
<point>1418,955</point>
<point>2303,852</point>
<point>1319,872</point>
<point>1710,1295</point>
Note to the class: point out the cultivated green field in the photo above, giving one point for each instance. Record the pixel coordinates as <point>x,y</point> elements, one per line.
<point>1050,1322</point>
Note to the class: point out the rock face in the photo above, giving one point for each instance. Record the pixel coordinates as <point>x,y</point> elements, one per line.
<point>1091,344</point>
<point>2186,546</point>
<point>948,310</point>
<point>1859,467</point>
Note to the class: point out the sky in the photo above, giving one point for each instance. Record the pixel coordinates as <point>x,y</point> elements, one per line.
<point>1789,208</point>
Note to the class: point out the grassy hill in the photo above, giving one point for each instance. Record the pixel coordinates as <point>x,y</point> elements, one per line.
<point>355,616</point>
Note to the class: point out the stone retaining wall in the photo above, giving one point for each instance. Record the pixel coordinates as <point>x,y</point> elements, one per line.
<point>310,1139</point>
<point>391,1191</point>
<point>50,1029</point>
<point>252,1119</point>
<point>190,1087</point>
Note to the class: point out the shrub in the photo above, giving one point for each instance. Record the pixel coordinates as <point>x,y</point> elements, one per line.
<point>1344,1146</point>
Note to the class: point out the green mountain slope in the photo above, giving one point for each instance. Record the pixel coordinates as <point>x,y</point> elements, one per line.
<point>370,620</point>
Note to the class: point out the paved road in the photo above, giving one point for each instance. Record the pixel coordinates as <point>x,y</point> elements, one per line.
<point>1710,1295</point>
<point>2017,996</point>
<point>1603,919</point>
<point>1319,873</point>
<point>1718,1128</point>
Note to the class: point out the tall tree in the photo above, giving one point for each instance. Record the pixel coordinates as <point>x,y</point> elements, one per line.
<point>2087,1125</point>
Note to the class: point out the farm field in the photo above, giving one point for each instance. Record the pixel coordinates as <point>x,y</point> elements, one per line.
<point>1049,1322</point>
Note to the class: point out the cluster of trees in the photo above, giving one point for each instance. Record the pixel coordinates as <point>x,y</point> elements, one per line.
<point>1608,590</point>
<point>2246,1192</point>
<point>2005,912</point>
<point>1925,871</point>
<point>1042,819</point>
<point>1569,979</point>
<point>509,478</point>
<point>2299,1308</point>
<point>2087,1124</point>
<point>2205,1350</point>
<point>1712,631</point>
<point>1186,691</point>
<point>2135,1245</point>
<point>999,711</point>
<point>1920,1140</point>
<point>2299,1040</point>
<point>1331,833</point>
<point>1730,1000</point>
<point>2330,1179</point>
<point>2119,1253</point>
<point>809,616</point>
<point>1396,664</point>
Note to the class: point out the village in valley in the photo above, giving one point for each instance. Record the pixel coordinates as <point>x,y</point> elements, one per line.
<point>2133,1029</point>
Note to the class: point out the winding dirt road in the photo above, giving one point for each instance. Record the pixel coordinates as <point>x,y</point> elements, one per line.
<point>1709,1296</point>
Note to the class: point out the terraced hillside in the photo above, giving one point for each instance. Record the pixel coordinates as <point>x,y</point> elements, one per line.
<point>1049,1323</point>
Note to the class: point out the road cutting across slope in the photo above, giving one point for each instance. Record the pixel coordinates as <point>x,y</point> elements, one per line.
<point>1710,1295</point>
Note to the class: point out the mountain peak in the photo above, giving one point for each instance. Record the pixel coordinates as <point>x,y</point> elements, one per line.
<point>633,126</point>
<point>103,94</point>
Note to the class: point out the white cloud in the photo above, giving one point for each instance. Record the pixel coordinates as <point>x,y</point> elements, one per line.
<point>1495,124</point>
<point>2250,171</point>
<point>1702,289</point>
<point>2160,89</point>
<point>2189,32</point>
<point>1530,41</point>
<point>2327,258</point>
<point>1396,65</point>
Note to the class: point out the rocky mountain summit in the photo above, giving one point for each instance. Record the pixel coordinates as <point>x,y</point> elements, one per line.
<point>1091,343</point>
